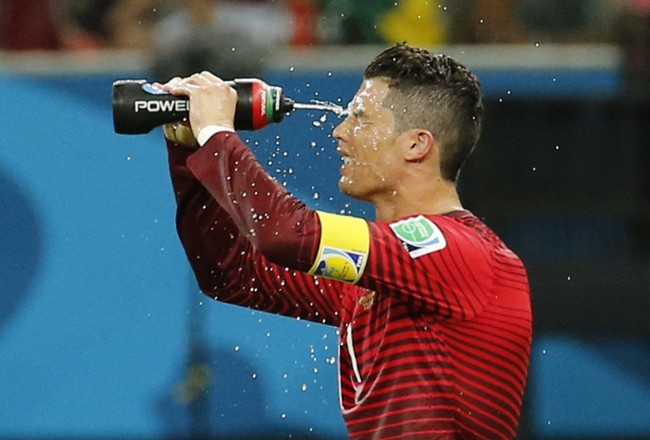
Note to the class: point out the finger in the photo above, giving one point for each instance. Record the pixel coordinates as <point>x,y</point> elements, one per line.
<point>211,77</point>
<point>204,79</point>
<point>175,80</point>
<point>168,84</point>
<point>183,86</point>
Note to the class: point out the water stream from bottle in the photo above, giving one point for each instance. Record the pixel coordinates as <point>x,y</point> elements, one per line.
<point>322,105</point>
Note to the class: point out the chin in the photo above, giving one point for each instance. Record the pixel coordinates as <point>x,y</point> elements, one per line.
<point>347,188</point>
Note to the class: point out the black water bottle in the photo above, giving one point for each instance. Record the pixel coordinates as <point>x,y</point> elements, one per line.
<point>139,106</point>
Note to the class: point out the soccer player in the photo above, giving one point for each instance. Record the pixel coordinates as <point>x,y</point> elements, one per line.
<point>433,308</point>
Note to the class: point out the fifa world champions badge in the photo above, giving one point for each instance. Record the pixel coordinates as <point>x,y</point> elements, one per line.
<point>340,264</point>
<point>420,235</point>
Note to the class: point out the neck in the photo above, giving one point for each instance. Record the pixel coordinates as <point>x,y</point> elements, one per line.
<point>438,197</point>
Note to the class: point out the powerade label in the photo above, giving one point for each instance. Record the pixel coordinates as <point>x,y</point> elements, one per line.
<point>263,100</point>
<point>259,99</point>
<point>161,106</point>
<point>420,235</point>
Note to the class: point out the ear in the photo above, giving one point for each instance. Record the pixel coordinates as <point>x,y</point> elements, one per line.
<point>419,145</point>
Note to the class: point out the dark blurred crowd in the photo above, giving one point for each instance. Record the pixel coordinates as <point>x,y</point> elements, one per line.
<point>182,36</point>
<point>97,24</point>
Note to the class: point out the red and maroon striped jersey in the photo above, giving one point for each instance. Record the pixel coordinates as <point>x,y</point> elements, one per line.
<point>435,337</point>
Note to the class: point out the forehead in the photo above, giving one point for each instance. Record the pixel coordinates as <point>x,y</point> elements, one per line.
<point>371,94</point>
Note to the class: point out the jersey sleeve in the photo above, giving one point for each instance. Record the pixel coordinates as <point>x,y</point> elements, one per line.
<point>434,263</point>
<point>227,265</point>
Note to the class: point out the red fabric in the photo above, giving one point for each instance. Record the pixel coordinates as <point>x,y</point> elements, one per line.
<point>29,25</point>
<point>303,18</point>
<point>641,7</point>
<point>434,347</point>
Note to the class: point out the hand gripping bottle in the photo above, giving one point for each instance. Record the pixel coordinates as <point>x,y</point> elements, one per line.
<point>138,106</point>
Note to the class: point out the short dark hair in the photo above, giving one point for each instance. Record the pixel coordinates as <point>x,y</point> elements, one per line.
<point>436,93</point>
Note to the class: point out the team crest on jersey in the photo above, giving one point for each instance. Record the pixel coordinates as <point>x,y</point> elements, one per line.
<point>420,235</point>
<point>340,264</point>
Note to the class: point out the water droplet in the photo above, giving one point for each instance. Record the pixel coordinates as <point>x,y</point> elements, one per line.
<point>254,376</point>
<point>316,196</point>
<point>536,44</point>
<point>283,416</point>
<point>292,69</point>
<point>236,348</point>
<point>304,387</point>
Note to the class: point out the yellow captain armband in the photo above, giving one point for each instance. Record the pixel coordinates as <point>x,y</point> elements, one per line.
<point>344,246</point>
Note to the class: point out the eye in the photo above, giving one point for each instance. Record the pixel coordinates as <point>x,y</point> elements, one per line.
<point>358,115</point>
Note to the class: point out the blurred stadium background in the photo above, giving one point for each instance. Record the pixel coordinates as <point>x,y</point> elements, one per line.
<point>103,333</point>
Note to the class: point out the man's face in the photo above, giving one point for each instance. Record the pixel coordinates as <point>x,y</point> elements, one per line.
<point>371,161</point>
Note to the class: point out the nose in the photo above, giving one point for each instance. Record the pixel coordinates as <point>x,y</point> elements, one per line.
<point>339,131</point>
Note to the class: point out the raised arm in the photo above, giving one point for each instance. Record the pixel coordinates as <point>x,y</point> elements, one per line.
<point>226,264</point>
<point>373,255</point>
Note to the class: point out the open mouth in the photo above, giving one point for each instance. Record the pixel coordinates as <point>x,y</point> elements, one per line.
<point>346,160</point>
